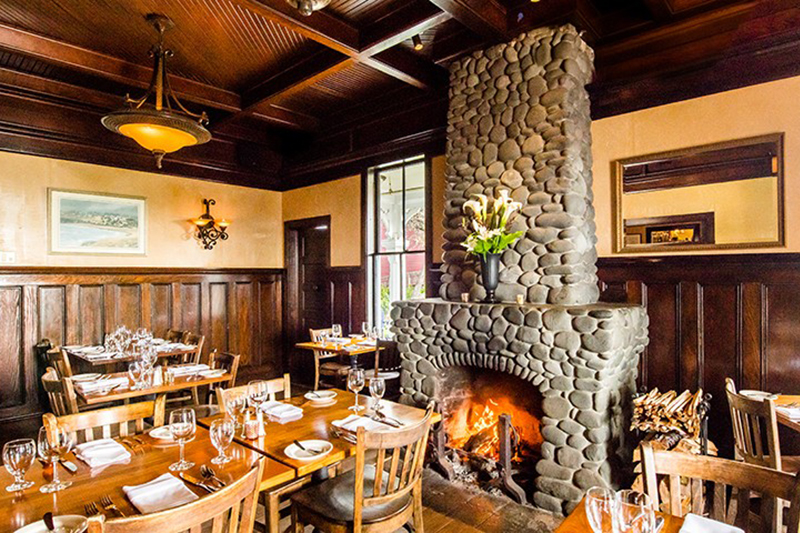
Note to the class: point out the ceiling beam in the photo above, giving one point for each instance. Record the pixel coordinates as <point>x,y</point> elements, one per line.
<point>402,24</point>
<point>108,67</point>
<point>659,9</point>
<point>487,18</point>
<point>408,67</point>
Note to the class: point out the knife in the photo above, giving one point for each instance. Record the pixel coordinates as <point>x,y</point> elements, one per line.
<point>196,482</point>
<point>69,465</point>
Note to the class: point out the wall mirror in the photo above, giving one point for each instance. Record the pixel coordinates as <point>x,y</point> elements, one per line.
<point>723,195</point>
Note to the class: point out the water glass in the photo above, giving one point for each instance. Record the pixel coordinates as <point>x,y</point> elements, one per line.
<point>222,431</point>
<point>600,503</point>
<point>634,513</point>
<point>377,388</point>
<point>18,455</point>
<point>52,447</point>
<point>355,382</point>
<point>182,428</point>
<point>336,329</point>
<point>235,404</point>
<point>136,373</point>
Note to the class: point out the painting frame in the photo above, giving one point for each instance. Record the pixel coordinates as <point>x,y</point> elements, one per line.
<point>63,239</point>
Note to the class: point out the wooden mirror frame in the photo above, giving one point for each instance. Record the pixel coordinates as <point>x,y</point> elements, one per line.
<point>618,166</point>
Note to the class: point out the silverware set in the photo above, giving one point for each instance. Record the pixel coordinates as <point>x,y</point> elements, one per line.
<point>105,503</point>
<point>314,451</point>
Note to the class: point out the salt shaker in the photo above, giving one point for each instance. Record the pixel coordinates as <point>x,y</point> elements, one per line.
<point>250,426</point>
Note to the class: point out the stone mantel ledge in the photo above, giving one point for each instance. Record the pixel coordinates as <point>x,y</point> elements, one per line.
<point>583,359</point>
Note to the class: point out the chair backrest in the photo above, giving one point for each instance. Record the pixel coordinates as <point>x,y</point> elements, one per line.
<point>198,341</point>
<point>274,387</point>
<point>755,428</point>
<point>720,487</point>
<point>316,336</point>
<point>228,361</point>
<point>174,335</point>
<point>230,510</point>
<point>110,422</point>
<point>58,358</point>
<point>389,355</point>
<point>405,451</point>
<point>60,392</point>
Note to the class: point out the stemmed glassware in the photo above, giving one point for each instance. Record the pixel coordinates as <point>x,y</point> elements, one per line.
<point>136,372</point>
<point>634,513</point>
<point>365,328</point>
<point>600,505</point>
<point>235,403</point>
<point>182,428</point>
<point>257,393</point>
<point>222,431</point>
<point>336,329</point>
<point>53,445</point>
<point>355,382</point>
<point>17,458</point>
<point>377,388</point>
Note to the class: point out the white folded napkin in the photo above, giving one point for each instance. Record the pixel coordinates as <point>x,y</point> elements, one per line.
<point>91,350</point>
<point>184,370</point>
<point>213,372</point>
<point>693,523</point>
<point>164,492</point>
<point>353,422</point>
<point>100,384</point>
<point>367,343</point>
<point>339,340</point>
<point>352,347</point>
<point>791,412</point>
<point>101,452</point>
<point>281,412</point>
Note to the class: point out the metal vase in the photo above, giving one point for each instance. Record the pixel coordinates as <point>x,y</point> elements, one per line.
<point>490,271</point>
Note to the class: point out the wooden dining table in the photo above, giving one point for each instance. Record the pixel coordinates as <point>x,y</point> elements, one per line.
<point>783,418</point>
<point>351,349</point>
<point>578,522</point>
<point>106,361</point>
<point>147,463</point>
<point>127,392</point>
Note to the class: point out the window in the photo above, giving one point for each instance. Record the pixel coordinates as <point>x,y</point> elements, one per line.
<point>395,236</point>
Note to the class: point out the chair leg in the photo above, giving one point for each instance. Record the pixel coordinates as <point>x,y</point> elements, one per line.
<point>316,373</point>
<point>196,396</point>
<point>417,493</point>
<point>297,526</point>
<point>272,508</point>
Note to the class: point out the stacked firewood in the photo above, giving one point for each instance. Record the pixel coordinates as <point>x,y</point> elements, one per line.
<point>669,413</point>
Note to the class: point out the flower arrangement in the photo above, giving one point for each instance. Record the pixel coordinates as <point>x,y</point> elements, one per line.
<point>489,220</point>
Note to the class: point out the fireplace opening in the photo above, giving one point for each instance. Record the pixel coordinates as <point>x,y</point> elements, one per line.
<point>492,423</point>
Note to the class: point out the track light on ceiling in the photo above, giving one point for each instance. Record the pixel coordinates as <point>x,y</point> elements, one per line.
<point>307,7</point>
<point>417,40</point>
<point>158,127</point>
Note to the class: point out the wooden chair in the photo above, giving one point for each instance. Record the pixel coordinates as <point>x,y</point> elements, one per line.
<point>274,387</point>
<point>333,369</point>
<point>60,392</point>
<point>111,422</point>
<point>231,509</point>
<point>174,335</point>
<point>228,361</point>
<point>721,488</point>
<point>198,341</point>
<point>387,365</point>
<point>58,358</point>
<point>370,499</point>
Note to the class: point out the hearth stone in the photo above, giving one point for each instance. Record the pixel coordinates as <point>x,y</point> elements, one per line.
<point>583,359</point>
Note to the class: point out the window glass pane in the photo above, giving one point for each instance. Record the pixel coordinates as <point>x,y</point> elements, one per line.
<point>415,207</point>
<point>389,286</point>
<point>390,203</point>
<point>413,276</point>
<point>370,212</point>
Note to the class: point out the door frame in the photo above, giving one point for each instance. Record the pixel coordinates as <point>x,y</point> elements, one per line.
<point>291,291</point>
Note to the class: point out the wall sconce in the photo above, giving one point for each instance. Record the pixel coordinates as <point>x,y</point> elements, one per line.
<point>209,230</point>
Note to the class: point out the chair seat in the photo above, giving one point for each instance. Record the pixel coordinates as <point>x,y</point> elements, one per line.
<point>334,499</point>
<point>332,368</point>
<point>790,463</point>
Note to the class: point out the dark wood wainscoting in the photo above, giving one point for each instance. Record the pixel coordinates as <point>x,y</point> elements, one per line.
<point>237,310</point>
<point>713,317</point>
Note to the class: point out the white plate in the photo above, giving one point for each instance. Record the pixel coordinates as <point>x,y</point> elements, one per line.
<point>320,395</point>
<point>70,523</point>
<point>157,341</point>
<point>294,452</point>
<point>161,433</point>
<point>758,395</point>
<point>82,378</point>
<point>213,373</point>
<point>323,403</point>
<point>92,350</point>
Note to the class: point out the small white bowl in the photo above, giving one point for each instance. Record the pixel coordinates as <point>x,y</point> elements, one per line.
<point>293,451</point>
<point>321,398</point>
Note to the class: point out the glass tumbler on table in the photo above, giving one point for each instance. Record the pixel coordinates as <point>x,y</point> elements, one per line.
<point>600,503</point>
<point>182,428</point>
<point>355,382</point>
<point>18,455</point>
<point>53,445</point>
<point>634,512</point>
<point>377,388</point>
<point>222,431</point>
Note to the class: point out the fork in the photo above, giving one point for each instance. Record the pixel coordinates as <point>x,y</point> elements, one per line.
<point>90,509</point>
<point>108,505</point>
<point>208,472</point>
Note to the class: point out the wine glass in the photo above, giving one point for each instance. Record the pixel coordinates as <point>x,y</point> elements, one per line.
<point>182,428</point>
<point>257,393</point>
<point>235,403</point>
<point>17,458</point>
<point>633,513</point>
<point>222,431</point>
<point>52,446</point>
<point>365,329</point>
<point>136,371</point>
<point>377,388</point>
<point>355,382</point>
<point>600,504</point>
<point>336,329</point>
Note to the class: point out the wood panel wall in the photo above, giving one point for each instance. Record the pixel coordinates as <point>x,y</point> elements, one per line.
<point>238,311</point>
<point>347,291</point>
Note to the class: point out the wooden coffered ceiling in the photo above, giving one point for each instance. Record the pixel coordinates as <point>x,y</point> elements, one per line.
<point>295,100</point>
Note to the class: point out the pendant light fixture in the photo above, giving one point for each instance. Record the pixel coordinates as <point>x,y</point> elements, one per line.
<point>307,7</point>
<point>159,127</point>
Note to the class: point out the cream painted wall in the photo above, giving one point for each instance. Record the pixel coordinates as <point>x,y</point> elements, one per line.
<point>341,199</point>
<point>256,232</point>
<point>734,222</point>
<point>750,111</point>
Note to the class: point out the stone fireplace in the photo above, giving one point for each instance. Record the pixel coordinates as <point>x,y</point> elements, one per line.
<point>519,121</point>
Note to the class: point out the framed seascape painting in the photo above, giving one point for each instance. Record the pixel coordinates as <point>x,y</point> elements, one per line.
<point>94,223</point>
